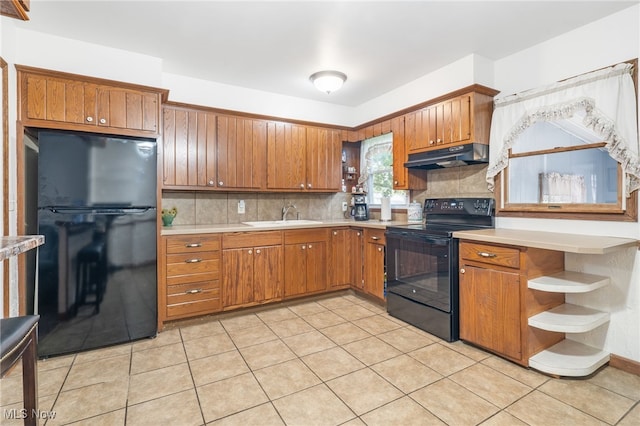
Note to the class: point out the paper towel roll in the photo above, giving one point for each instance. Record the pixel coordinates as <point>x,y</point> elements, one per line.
<point>385,208</point>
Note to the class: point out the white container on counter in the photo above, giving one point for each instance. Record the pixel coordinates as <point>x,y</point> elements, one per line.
<point>414,212</point>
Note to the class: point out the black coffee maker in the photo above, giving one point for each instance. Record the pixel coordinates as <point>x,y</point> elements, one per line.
<point>360,211</point>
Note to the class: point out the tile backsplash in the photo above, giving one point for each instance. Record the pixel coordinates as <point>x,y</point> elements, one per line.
<point>205,208</point>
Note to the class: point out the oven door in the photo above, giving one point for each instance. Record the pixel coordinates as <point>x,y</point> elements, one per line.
<point>419,268</point>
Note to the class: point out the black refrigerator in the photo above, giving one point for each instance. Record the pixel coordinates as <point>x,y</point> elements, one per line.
<point>96,207</point>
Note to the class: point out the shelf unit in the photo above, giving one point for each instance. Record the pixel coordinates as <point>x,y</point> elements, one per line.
<point>568,357</point>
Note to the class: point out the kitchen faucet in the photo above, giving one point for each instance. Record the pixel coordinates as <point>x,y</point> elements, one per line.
<point>285,210</point>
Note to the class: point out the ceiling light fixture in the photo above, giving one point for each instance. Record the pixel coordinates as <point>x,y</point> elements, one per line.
<point>328,81</point>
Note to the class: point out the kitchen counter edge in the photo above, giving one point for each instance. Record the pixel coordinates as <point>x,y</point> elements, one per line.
<point>570,243</point>
<point>240,227</point>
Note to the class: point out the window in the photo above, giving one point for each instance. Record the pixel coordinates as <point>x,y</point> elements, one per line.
<point>570,149</point>
<point>377,171</point>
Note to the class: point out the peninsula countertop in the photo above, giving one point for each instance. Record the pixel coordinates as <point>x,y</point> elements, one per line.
<point>571,243</point>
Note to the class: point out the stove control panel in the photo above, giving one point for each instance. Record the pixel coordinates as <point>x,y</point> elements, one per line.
<point>460,206</point>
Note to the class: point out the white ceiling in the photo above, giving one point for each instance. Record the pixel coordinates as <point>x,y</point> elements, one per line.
<point>275,46</point>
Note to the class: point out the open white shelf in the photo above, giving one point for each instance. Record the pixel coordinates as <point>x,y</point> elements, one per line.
<point>569,358</point>
<point>568,282</point>
<point>569,318</point>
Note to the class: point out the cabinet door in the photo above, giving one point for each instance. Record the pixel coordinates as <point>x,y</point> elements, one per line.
<point>374,269</point>
<point>400,173</point>
<point>237,276</point>
<point>356,254</point>
<point>316,268</point>
<point>54,99</point>
<point>286,156</point>
<point>189,156</point>
<point>342,258</point>
<point>295,267</point>
<point>323,148</point>
<point>241,151</point>
<point>121,108</point>
<point>490,310</point>
<point>268,273</point>
<point>456,120</point>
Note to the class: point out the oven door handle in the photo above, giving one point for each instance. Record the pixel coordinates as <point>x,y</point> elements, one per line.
<point>441,241</point>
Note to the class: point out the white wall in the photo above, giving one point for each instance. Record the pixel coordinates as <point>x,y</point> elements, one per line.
<point>606,42</point>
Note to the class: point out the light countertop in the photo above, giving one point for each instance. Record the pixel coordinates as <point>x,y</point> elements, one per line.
<point>240,227</point>
<point>13,246</point>
<point>572,243</point>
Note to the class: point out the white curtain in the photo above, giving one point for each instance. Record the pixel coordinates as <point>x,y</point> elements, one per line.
<point>603,101</point>
<point>371,151</point>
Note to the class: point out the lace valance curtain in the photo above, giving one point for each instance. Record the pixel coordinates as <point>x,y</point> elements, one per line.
<point>603,101</point>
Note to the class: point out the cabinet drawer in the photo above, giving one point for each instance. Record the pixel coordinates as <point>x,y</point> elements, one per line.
<point>494,255</point>
<point>251,239</point>
<point>375,235</point>
<point>192,243</point>
<point>193,298</point>
<point>306,236</point>
<point>193,263</point>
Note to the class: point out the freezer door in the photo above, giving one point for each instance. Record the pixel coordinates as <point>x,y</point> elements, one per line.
<point>97,279</point>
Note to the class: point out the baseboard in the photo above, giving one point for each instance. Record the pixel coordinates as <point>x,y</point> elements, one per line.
<point>625,364</point>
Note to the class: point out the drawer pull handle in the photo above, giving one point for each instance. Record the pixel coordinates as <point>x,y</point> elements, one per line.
<point>196,260</point>
<point>485,254</point>
<point>194,291</point>
<point>193,245</point>
<point>375,238</point>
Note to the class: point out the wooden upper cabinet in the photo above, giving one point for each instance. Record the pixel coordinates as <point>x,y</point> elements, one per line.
<point>241,152</point>
<point>459,120</point>
<point>324,149</point>
<point>303,158</point>
<point>286,156</point>
<point>189,154</point>
<point>400,180</point>
<point>15,9</point>
<point>67,101</point>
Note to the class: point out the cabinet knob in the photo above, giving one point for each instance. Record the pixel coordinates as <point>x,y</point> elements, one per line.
<point>89,119</point>
<point>379,248</point>
<point>358,233</point>
<point>250,251</point>
<point>258,251</point>
<point>395,182</point>
<point>462,270</point>
<point>431,142</point>
<point>221,183</point>
<point>335,233</point>
<point>103,121</point>
<point>303,247</point>
<point>439,140</point>
<point>302,185</point>
<point>309,246</point>
<point>212,182</point>
<point>309,185</point>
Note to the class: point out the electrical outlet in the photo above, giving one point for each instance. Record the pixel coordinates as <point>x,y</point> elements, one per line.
<point>241,207</point>
<point>344,206</point>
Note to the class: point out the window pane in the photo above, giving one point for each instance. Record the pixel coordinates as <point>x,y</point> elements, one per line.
<point>582,176</point>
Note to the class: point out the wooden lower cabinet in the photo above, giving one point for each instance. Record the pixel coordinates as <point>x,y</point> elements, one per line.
<point>495,301</point>
<point>374,263</point>
<point>490,310</point>
<point>191,273</point>
<point>252,268</point>
<point>305,261</point>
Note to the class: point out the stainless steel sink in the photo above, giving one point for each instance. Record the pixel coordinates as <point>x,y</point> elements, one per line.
<point>292,222</point>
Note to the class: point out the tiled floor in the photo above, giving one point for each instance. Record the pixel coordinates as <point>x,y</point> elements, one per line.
<point>332,361</point>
